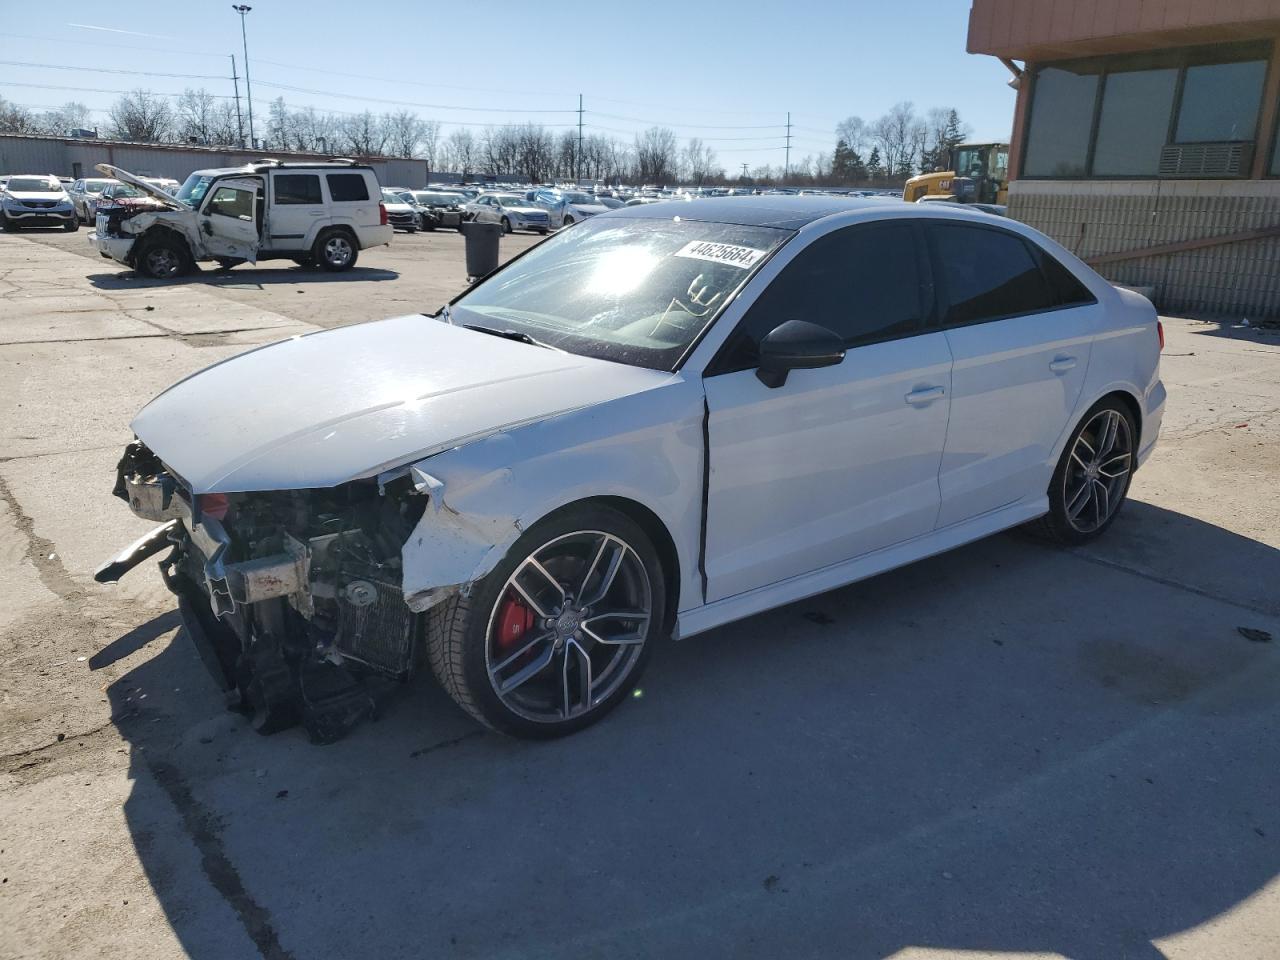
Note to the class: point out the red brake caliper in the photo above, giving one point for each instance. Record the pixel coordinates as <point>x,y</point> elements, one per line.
<point>514,620</point>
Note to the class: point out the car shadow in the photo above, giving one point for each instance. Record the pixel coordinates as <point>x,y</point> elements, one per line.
<point>239,277</point>
<point>1001,748</point>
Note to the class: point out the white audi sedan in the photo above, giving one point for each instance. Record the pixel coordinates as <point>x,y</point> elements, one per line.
<point>666,419</point>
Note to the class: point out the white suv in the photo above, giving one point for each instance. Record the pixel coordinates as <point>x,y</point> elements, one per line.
<point>323,213</point>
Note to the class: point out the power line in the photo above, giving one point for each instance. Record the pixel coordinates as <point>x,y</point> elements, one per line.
<point>696,126</point>
<point>135,73</point>
<point>121,46</point>
<point>50,86</point>
<point>401,103</point>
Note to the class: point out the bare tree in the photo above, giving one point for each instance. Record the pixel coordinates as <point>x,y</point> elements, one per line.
<point>364,134</point>
<point>698,162</point>
<point>195,116</point>
<point>853,131</point>
<point>430,142</point>
<point>898,134</point>
<point>404,133</point>
<point>62,120</point>
<point>464,152</point>
<point>656,155</point>
<point>143,116</point>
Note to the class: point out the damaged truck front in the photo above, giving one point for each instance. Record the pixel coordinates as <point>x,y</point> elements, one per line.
<point>155,234</point>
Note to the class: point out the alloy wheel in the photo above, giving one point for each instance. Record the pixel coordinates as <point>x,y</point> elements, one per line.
<point>337,250</point>
<point>1098,472</point>
<point>568,626</point>
<point>162,262</point>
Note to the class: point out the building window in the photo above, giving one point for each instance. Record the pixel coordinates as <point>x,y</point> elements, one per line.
<point>1134,122</point>
<point>1061,118</point>
<point>1112,116</point>
<point>1220,101</point>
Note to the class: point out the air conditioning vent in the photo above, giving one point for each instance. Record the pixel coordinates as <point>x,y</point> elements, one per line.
<point>1213,160</point>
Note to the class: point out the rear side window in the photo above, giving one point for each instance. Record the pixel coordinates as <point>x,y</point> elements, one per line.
<point>1067,290</point>
<point>986,274</point>
<point>297,188</point>
<point>862,282</point>
<point>347,187</point>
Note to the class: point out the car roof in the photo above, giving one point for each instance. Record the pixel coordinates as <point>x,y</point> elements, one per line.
<point>786,212</point>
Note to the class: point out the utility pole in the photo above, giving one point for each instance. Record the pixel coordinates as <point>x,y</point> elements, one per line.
<point>577,166</point>
<point>744,171</point>
<point>248,90</point>
<point>235,82</point>
<point>786,164</point>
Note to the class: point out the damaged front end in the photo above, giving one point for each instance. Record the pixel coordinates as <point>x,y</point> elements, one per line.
<point>293,598</point>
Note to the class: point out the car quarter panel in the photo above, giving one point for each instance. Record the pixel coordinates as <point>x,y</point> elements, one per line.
<point>646,448</point>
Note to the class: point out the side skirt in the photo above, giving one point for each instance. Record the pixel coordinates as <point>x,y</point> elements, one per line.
<point>756,601</point>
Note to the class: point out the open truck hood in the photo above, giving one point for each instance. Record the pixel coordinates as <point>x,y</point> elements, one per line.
<point>150,189</point>
<point>325,408</point>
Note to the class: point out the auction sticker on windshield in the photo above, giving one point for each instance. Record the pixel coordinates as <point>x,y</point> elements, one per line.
<point>742,257</point>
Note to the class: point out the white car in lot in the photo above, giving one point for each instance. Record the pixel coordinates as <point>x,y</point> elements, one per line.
<point>510,210</point>
<point>36,201</point>
<point>661,421</point>
<point>567,207</point>
<point>311,213</point>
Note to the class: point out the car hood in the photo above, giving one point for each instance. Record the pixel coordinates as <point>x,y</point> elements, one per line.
<point>325,408</point>
<point>37,195</point>
<point>150,189</point>
<point>590,209</point>
<point>524,210</point>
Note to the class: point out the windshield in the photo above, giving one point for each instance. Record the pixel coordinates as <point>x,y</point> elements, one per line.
<point>124,190</point>
<point>510,200</point>
<point>33,185</point>
<point>579,198</point>
<point>390,196</point>
<point>630,290</point>
<point>95,186</point>
<point>194,189</point>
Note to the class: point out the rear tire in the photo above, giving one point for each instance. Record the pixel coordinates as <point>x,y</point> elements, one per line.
<point>1091,481</point>
<point>336,251</point>
<point>581,677</point>
<point>506,225</point>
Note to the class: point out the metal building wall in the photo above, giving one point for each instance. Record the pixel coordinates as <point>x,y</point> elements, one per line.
<point>1096,217</point>
<point>33,155</point>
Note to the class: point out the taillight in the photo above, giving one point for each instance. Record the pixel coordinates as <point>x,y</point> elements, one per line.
<point>382,215</point>
<point>1160,333</point>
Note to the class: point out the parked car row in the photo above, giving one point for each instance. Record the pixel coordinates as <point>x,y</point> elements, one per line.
<point>35,200</point>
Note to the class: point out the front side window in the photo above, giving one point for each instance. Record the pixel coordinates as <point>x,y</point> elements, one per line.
<point>296,188</point>
<point>1061,118</point>
<point>635,291</point>
<point>347,187</point>
<point>862,283</point>
<point>1220,101</point>
<point>231,202</point>
<point>985,274</point>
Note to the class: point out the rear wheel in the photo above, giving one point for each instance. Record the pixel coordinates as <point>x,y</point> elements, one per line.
<point>1092,479</point>
<point>558,634</point>
<point>506,225</point>
<point>336,251</point>
<point>568,222</point>
<point>164,257</point>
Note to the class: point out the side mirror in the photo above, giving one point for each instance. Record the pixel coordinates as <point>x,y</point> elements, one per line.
<point>797,345</point>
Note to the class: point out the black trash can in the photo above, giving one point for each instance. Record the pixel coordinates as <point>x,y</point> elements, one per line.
<point>482,247</point>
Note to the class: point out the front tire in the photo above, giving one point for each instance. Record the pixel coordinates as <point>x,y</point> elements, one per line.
<point>567,222</point>
<point>71,226</point>
<point>506,225</point>
<point>164,258</point>
<point>558,634</point>
<point>1092,478</point>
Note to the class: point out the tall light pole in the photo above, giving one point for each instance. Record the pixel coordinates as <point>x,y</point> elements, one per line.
<point>242,9</point>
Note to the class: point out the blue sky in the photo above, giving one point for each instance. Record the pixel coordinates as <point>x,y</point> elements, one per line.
<point>725,72</point>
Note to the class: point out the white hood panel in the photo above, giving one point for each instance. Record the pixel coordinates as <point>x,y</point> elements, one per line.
<point>326,408</point>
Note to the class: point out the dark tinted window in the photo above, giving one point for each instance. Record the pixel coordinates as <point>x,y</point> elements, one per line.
<point>1134,123</point>
<point>862,282</point>
<point>1061,119</point>
<point>1220,101</point>
<point>1067,290</point>
<point>298,188</point>
<point>985,274</point>
<point>347,187</point>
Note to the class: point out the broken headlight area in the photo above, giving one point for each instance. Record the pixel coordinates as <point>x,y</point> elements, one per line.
<point>292,598</point>
<point>114,214</point>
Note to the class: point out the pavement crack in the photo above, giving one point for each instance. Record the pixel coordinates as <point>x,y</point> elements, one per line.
<point>1169,582</point>
<point>204,828</point>
<point>62,739</point>
<point>443,744</point>
<point>41,552</point>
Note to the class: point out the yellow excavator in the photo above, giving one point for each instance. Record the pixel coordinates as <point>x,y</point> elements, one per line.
<point>977,173</point>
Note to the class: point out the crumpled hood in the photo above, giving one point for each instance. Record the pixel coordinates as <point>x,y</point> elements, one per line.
<point>325,408</point>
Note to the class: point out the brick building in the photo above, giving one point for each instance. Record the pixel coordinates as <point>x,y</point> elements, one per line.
<point>1146,139</point>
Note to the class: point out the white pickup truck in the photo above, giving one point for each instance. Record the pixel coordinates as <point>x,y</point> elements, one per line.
<point>321,213</point>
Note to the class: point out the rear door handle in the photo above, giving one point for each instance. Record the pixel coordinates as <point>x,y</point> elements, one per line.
<point>924,396</point>
<point>1062,364</point>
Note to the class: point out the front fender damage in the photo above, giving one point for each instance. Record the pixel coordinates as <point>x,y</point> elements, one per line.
<point>453,546</point>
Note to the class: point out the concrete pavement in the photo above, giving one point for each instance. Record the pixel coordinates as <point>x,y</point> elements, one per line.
<point>1007,751</point>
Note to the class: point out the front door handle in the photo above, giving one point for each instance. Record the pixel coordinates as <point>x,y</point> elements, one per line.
<point>1062,364</point>
<point>924,396</point>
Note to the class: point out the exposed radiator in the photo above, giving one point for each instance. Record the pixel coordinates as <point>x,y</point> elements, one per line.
<point>375,627</point>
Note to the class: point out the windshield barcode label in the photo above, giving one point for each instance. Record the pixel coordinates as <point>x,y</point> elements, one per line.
<point>741,257</point>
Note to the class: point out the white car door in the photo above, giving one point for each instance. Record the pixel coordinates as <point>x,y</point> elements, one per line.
<point>229,219</point>
<point>1021,329</point>
<point>840,461</point>
<point>295,212</point>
